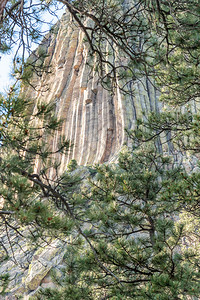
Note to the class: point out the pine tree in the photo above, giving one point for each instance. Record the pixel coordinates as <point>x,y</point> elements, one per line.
<point>134,233</point>
<point>135,242</point>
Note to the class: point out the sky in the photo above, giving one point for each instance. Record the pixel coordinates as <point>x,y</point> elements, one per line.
<point>5,70</point>
<point>6,60</point>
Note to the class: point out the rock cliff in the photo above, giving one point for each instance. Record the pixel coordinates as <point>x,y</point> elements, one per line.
<point>94,118</point>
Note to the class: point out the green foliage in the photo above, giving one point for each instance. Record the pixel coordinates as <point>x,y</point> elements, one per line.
<point>72,284</point>
<point>133,217</point>
<point>22,140</point>
<point>134,232</point>
<point>4,280</point>
<point>72,165</point>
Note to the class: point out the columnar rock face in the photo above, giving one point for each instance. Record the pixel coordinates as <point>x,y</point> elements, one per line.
<point>94,118</point>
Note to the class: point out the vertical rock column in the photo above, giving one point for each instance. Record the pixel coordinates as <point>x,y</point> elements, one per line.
<point>93,118</point>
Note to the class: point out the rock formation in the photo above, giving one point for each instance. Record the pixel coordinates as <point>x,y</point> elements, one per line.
<point>94,118</point>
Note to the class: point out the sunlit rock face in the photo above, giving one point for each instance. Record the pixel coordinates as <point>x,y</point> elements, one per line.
<point>94,118</point>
